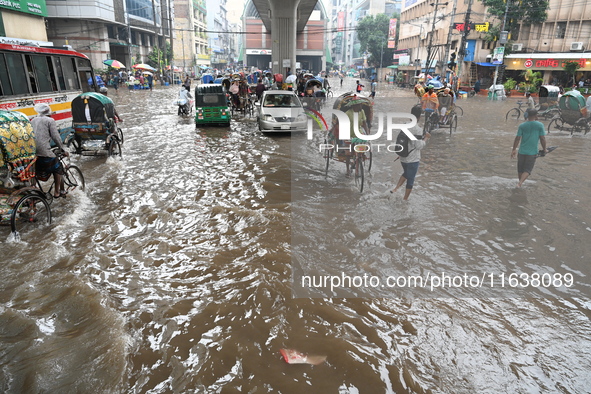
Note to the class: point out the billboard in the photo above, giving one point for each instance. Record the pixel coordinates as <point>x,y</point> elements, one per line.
<point>341,21</point>
<point>392,33</point>
<point>498,55</point>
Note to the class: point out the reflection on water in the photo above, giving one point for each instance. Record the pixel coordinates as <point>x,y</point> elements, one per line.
<point>172,272</point>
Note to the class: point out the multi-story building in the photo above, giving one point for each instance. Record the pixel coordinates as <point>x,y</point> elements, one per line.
<point>438,29</point>
<point>126,30</point>
<point>344,16</point>
<point>311,48</point>
<point>544,47</point>
<point>219,34</point>
<point>190,44</point>
<point>13,16</point>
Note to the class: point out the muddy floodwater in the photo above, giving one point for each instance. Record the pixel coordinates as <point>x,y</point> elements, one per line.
<point>179,269</point>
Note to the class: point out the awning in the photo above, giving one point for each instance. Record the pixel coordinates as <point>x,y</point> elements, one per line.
<point>487,64</point>
<point>392,66</point>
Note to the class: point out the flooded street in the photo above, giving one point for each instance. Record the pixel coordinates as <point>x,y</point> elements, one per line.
<point>175,270</point>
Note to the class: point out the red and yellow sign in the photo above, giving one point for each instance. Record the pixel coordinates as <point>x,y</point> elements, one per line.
<point>551,63</point>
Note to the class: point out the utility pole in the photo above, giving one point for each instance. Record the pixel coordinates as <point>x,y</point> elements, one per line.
<point>503,40</point>
<point>449,34</point>
<point>462,49</point>
<point>429,48</point>
<point>381,58</point>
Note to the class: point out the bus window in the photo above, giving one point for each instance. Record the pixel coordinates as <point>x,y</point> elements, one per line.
<point>86,76</point>
<point>44,73</point>
<point>5,88</point>
<point>60,73</point>
<point>84,64</point>
<point>72,82</point>
<point>31,72</point>
<point>16,71</point>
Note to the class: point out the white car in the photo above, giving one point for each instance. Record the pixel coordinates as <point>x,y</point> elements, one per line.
<point>281,111</point>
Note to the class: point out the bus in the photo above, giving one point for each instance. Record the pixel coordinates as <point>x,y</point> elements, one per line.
<point>32,75</point>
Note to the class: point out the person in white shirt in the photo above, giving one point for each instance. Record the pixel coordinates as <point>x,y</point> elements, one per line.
<point>410,163</point>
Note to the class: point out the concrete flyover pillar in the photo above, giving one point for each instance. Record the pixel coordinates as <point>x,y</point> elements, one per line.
<point>284,19</point>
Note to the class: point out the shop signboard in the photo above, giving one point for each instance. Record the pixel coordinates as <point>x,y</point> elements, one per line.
<point>551,64</point>
<point>35,7</point>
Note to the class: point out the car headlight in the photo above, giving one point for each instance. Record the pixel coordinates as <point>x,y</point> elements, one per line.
<point>301,117</point>
<point>268,118</point>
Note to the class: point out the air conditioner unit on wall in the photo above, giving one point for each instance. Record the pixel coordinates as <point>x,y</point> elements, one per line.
<point>516,47</point>
<point>576,46</point>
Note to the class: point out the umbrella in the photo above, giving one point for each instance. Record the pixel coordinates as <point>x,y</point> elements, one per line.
<point>143,66</point>
<point>147,73</point>
<point>114,63</point>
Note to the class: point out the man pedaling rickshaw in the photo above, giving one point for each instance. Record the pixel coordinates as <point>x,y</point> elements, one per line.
<point>430,103</point>
<point>362,127</point>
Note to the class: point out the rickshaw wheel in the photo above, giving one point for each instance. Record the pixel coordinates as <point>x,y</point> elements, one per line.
<point>370,161</point>
<point>513,114</point>
<point>30,211</point>
<point>459,110</point>
<point>328,152</point>
<point>453,124</point>
<point>249,108</point>
<point>74,179</point>
<point>555,124</point>
<point>359,175</point>
<point>120,135</point>
<point>114,148</point>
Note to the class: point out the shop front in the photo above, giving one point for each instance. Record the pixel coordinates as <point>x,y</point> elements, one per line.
<point>551,65</point>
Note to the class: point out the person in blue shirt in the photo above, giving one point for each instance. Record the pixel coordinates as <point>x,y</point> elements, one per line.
<point>529,134</point>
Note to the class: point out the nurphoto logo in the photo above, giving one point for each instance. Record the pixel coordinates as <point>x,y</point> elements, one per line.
<point>391,119</point>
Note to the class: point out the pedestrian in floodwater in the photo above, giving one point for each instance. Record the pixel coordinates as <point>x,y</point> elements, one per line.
<point>374,86</point>
<point>359,87</point>
<point>410,163</point>
<point>529,134</point>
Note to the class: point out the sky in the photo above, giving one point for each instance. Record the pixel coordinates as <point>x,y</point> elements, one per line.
<point>235,8</point>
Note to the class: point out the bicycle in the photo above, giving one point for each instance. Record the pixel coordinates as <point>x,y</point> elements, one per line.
<point>517,112</point>
<point>72,178</point>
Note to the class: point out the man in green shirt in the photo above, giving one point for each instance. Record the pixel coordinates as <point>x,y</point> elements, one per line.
<point>528,135</point>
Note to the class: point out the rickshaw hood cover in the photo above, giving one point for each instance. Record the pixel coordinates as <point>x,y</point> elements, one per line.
<point>17,139</point>
<point>572,100</point>
<point>100,108</point>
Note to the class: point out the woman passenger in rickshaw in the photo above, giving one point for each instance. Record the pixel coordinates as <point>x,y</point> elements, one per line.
<point>234,90</point>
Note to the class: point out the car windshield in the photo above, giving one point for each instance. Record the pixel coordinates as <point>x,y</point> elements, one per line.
<point>281,100</point>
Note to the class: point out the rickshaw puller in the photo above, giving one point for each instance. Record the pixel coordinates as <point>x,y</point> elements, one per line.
<point>47,163</point>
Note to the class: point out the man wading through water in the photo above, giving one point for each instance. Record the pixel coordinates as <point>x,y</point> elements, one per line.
<point>528,135</point>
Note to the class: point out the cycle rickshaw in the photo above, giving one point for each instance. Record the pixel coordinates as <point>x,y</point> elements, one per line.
<point>22,205</point>
<point>95,126</point>
<point>572,115</point>
<point>446,116</point>
<point>310,96</point>
<point>242,101</point>
<point>355,151</point>
<point>548,101</point>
